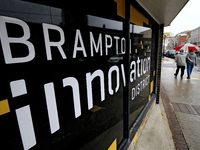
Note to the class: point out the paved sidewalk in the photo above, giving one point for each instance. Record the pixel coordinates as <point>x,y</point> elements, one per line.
<point>156,134</point>
<point>174,123</point>
<point>184,98</point>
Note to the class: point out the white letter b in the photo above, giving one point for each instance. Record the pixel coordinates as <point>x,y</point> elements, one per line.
<point>5,41</point>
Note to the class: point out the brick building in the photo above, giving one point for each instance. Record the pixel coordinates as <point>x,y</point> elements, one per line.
<point>181,39</point>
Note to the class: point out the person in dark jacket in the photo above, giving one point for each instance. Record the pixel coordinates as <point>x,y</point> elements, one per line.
<point>191,60</point>
<point>180,60</point>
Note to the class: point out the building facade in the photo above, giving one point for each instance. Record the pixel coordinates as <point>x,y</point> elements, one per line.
<point>181,39</point>
<point>79,74</point>
<point>195,36</point>
<point>171,43</point>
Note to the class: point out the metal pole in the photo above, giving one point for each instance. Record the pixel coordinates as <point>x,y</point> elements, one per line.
<point>126,96</point>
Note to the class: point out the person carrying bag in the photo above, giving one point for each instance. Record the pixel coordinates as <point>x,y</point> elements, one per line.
<point>191,60</point>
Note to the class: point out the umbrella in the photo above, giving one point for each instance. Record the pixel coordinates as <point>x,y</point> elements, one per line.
<point>187,47</point>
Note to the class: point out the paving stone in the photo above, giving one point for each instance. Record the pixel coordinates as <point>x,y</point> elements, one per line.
<point>196,108</point>
<point>177,134</point>
<point>186,108</point>
<point>183,95</point>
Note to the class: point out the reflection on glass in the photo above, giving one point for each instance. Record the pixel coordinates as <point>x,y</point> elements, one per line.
<point>31,12</point>
<point>99,22</point>
<point>140,69</point>
<point>76,54</point>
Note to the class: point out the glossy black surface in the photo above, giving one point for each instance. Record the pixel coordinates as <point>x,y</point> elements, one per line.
<point>77,34</point>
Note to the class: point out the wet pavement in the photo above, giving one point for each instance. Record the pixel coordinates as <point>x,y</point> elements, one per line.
<point>198,61</point>
<point>181,98</point>
<point>156,134</point>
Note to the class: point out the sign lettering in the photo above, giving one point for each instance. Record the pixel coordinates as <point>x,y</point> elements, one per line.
<point>115,73</point>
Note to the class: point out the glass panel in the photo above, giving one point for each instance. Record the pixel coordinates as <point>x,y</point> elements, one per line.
<point>62,75</point>
<point>140,69</point>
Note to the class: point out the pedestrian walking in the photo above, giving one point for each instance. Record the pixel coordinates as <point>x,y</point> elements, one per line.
<point>191,60</point>
<point>180,60</point>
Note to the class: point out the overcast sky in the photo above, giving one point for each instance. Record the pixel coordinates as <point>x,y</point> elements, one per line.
<point>187,19</point>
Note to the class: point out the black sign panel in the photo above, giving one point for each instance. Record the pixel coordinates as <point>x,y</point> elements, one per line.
<point>63,76</point>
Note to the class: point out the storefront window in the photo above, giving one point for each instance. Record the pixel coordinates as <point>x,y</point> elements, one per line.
<point>64,73</point>
<point>139,69</point>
